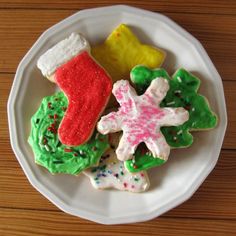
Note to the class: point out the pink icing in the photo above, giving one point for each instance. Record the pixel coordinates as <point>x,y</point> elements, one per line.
<point>140,118</point>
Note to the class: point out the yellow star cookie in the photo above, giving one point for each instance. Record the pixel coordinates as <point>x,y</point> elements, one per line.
<point>122,50</point>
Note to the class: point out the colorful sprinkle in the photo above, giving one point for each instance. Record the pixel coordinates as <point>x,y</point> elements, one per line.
<point>112,173</point>
<point>45,141</point>
<point>188,107</point>
<point>47,147</point>
<point>179,79</point>
<point>67,150</point>
<point>93,170</point>
<point>180,132</point>
<point>170,103</point>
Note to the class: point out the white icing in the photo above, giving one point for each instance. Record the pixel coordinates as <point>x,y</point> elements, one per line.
<point>140,119</point>
<point>111,176</point>
<point>61,53</point>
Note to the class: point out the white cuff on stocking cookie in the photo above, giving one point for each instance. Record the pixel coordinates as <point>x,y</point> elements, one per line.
<point>140,119</point>
<point>61,53</point>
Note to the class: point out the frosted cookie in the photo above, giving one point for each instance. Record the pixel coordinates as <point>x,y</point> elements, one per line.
<point>85,83</point>
<point>142,160</point>
<point>140,119</point>
<point>122,50</point>
<point>49,152</point>
<point>111,173</point>
<point>183,92</point>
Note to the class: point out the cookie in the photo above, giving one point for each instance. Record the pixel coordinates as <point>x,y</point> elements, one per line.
<point>85,83</point>
<point>142,160</point>
<point>123,51</point>
<point>183,92</point>
<point>88,89</point>
<point>111,173</point>
<point>140,119</point>
<point>49,152</point>
<point>61,53</point>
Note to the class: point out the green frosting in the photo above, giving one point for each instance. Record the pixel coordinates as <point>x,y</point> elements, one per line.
<point>182,93</point>
<point>50,152</point>
<point>143,160</point>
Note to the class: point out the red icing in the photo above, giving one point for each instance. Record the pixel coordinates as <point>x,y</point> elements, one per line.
<point>87,87</point>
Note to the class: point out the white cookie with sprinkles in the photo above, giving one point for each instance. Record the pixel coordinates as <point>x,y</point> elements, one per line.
<point>111,173</point>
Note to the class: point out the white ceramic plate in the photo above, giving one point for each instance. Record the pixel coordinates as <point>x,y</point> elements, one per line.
<point>171,184</point>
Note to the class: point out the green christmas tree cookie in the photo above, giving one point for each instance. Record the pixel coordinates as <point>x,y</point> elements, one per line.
<point>50,152</point>
<point>183,92</point>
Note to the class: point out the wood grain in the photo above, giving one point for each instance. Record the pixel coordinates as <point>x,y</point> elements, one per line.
<point>230,94</point>
<point>211,210</point>
<point>207,202</point>
<point>195,6</point>
<point>217,33</point>
<point>31,223</point>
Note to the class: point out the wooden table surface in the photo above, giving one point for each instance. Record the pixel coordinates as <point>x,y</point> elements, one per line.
<point>212,209</point>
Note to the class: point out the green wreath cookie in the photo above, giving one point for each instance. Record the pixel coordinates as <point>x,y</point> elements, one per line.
<point>182,93</point>
<point>50,152</point>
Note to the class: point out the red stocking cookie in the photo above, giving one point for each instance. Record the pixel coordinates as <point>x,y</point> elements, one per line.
<point>86,85</point>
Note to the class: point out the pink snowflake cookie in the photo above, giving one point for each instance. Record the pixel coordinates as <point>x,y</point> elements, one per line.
<point>140,119</point>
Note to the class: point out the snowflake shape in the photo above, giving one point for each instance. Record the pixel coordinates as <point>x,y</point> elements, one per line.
<point>140,119</point>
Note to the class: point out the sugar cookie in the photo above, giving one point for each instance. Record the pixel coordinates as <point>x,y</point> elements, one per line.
<point>182,93</point>
<point>122,50</point>
<point>110,173</point>
<point>140,119</point>
<point>50,152</point>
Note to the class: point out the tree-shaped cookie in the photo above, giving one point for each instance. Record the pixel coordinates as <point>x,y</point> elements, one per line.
<point>183,92</point>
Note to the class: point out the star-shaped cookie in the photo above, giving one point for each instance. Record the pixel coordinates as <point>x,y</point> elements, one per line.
<point>122,50</point>
<point>140,119</point>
